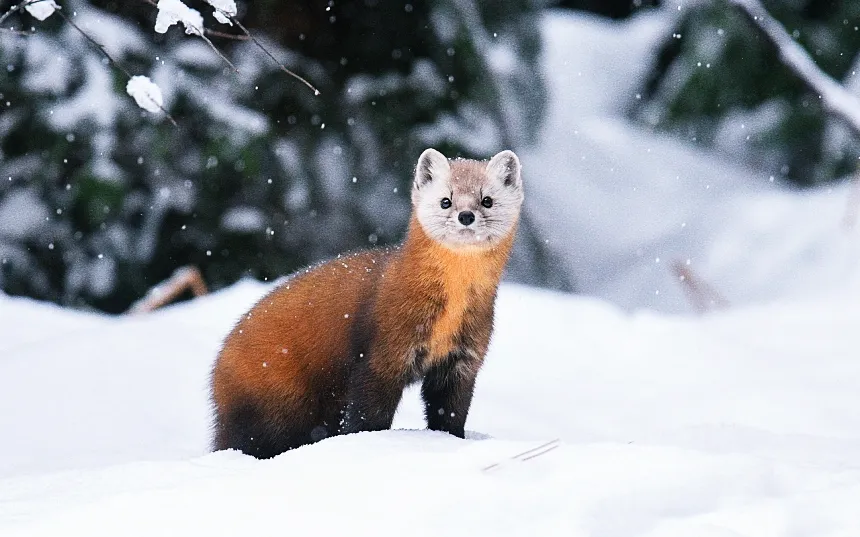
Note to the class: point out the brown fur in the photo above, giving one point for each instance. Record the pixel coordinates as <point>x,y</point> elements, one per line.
<point>372,321</point>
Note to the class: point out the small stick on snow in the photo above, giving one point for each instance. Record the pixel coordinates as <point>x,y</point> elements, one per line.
<point>183,278</point>
<point>110,59</point>
<point>528,454</point>
<point>833,95</point>
<point>703,296</point>
<point>270,55</point>
<point>852,206</point>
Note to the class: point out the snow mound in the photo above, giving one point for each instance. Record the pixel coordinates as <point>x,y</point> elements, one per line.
<point>432,484</point>
<point>742,423</point>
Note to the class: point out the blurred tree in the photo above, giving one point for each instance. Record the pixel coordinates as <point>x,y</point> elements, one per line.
<point>617,9</point>
<point>100,200</point>
<point>718,82</point>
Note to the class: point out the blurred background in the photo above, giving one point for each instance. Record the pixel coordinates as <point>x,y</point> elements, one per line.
<point>671,161</point>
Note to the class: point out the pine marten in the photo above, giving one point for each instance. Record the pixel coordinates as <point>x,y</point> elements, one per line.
<point>330,350</point>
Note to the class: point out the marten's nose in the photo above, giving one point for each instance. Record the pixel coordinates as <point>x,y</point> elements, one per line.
<point>466,217</point>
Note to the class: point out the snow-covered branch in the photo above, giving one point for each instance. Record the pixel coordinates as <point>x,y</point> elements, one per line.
<point>146,93</point>
<point>835,98</point>
<point>40,9</point>
<point>172,12</point>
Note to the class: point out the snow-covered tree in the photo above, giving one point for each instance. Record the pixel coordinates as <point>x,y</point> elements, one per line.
<point>101,199</point>
<point>718,81</point>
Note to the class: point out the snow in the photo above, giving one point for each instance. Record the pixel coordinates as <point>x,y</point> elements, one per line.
<point>171,12</point>
<point>244,219</point>
<point>116,35</point>
<point>223,10</point>
<point>619,204</point>
<point>41,9</point>
<point>95,99</point>
<point>48,68</point>
<point>741,423</point>
<point>22,214</point>
<point>146,93</point>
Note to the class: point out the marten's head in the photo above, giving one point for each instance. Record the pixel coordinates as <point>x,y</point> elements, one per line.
<point>466,203</point>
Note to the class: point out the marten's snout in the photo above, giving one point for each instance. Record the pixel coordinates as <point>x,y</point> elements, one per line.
<point>466,218</point>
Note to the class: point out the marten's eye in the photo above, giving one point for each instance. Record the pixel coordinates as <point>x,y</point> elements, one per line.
<point>446,203</point>
<point>487,202</point>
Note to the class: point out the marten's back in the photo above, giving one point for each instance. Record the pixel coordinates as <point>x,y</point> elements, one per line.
<point>297,341</point>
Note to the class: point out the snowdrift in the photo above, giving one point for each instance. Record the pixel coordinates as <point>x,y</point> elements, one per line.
<point>740,423</point>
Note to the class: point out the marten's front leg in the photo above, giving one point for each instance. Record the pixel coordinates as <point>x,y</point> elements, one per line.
<point>371,400</point>
<point>447,393</point>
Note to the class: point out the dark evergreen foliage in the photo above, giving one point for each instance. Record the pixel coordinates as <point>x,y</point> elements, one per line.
<point>260,177</point>
<point>718,82</point>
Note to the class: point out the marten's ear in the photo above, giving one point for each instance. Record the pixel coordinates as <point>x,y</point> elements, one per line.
<point>432,166</point>
<point>505,168</point>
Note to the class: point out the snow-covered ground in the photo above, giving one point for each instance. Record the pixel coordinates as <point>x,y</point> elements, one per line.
<point>742,422</point>
<point>745,422</point>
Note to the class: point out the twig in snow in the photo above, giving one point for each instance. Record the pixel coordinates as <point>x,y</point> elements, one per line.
<point>852,206</point>
<point>703,296</point>
<point>166,292</point>
<point>528,454</point>
<point>110,59</point>
<point>833,95</point>
<point>269,54</point>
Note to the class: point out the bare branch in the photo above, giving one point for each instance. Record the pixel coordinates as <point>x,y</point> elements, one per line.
<point>201,34</point>
<point>183,279</point>
<point>111,59</point>
<point>703,296</point>
<point>852,205</point>
<point>235,37</point>
<point>833,95</point>
<point>269,54</point>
